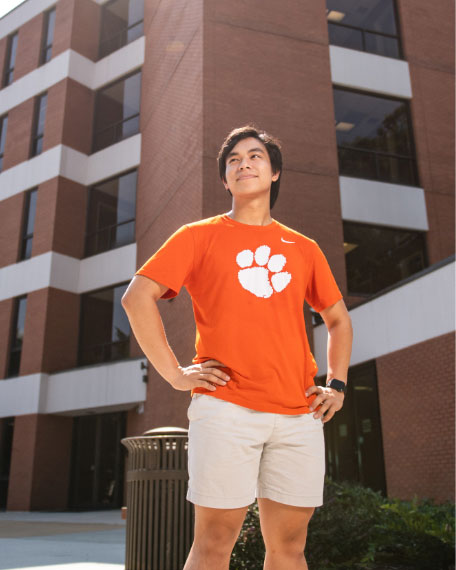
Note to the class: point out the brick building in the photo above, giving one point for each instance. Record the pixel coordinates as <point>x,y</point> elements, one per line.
<point>111,117</point>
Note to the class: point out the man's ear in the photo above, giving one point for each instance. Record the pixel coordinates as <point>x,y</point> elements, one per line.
<point>276,176</point>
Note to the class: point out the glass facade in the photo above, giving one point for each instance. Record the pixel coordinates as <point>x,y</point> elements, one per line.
<point>17,336</point>
<point>111,214</point>
<point>97,461</point>
<point>39,120</point>
<point>48,36</point>
<point>105,329</point>
<point>10,60</point>
<point>365,25</point>
<point>117,111</point>
<point>29,223</point>
<point>3,129</point>
<point>374,137</point>
<point>377,257</point>
<point>354,443</point>
<point>122,22</point>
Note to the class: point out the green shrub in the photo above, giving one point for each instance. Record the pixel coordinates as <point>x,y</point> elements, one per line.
<point>358,529</point>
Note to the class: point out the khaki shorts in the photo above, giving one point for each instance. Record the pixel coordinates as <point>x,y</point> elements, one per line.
<point>236,454</point>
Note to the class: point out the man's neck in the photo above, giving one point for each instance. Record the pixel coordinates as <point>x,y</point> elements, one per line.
<point>252,214</point>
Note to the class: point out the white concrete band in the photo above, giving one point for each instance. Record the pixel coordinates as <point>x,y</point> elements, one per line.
<point>370,72</point>
<point>418,311</point>
<point>77,276</point>
<point>383,203</point>
<point>113,386</point>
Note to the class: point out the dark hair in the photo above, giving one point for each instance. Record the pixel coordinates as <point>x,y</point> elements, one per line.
<point>271,143</point>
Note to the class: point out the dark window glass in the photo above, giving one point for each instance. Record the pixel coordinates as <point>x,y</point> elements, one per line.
<point>377,257</point>
<point>48,36</point>
<point>17,336</point>
<point>122,21</point>
<point>29,223</point>
<point>97,461</point>
<point>105,329</point>
<point>366,25</point>
<point>6,445</point>
<point>10,60</point>
<point>117,111</point>
<point>111,214</point>
<point>40,117</point>
<point>354,445</point>
<point>374,138</point>
<point>3,128</point>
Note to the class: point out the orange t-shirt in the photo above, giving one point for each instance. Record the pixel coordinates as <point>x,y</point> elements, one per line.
<point>248,284</point>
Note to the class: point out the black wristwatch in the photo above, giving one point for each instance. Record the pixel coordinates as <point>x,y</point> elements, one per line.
<point>337,385</point>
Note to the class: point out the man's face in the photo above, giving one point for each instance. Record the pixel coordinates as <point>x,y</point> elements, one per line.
<point>248,169</point>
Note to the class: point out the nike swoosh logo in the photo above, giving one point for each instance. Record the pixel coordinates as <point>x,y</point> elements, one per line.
<point>285,241</point>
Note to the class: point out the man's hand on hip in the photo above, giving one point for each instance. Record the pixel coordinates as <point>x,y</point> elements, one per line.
<point>329,400</point>
<point>204,375</point>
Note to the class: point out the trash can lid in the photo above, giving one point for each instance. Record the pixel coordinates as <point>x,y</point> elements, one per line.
<point>167,430</point>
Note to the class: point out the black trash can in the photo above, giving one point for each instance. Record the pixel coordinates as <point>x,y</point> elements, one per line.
<point>159,518</point>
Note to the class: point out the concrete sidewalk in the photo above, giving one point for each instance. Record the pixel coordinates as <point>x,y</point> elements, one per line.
<point>62,541</point>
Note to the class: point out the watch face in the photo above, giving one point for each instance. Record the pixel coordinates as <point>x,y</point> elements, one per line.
<point>337,385</point>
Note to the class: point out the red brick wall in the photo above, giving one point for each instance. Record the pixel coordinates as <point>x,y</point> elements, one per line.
<point>28,47</point>
<point>77,24</point>
<point>416,393</point>
<point>432,75</point>
<point>18,136</point>
<point>22,459</point>
<point>40,463</point>
<point>11,210</point>
<point>170,176</point>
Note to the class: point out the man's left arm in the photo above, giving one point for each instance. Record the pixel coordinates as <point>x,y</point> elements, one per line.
<point>340,338</point>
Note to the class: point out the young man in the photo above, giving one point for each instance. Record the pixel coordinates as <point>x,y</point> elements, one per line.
<point>256,417</point>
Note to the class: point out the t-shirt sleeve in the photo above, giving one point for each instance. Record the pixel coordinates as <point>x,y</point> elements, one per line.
<point>172,264</point>
<point>322,290</point>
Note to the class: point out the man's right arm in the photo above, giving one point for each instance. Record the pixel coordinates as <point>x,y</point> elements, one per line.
<point>140,303</point>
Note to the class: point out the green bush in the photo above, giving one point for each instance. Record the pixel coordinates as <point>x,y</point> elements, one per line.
<point>359,529</point>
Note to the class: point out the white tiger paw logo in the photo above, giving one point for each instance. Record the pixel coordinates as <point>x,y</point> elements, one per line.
<point>256,279</point>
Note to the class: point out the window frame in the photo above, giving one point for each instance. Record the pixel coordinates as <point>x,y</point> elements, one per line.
<point>25,215</point>
<point>363,31</point>
<point>375,153</point>
<point>3,118</point>
<point>370,296</point>
<point>7,70</point>
<point>123,31</point>
<point>12,335</point>
<point>80,362</point>
<point>117,123</point>
<point>45,31</point>
<point>86,233</point>
<point>36,137</point>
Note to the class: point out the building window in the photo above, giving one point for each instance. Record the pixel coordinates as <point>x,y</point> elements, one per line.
<point>28,224</point>
<point>377,257</point>
<point>111,214</point>
<point>117,112</point>
<point>3,127</point>
<point>354,444</point>
<point>10,59</point>
<point>374,137</point>
<point>122,21</point>
<point>365,25</point>
<point>48,36</point>
<point>105,329</point>
<point>6,446</point>
<point>17,336</point>
<point>38,122</point>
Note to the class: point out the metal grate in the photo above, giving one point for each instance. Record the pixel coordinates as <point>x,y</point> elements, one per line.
<point>160,520</point>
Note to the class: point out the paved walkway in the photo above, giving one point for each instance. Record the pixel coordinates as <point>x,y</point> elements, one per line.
<point>62,541</point>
